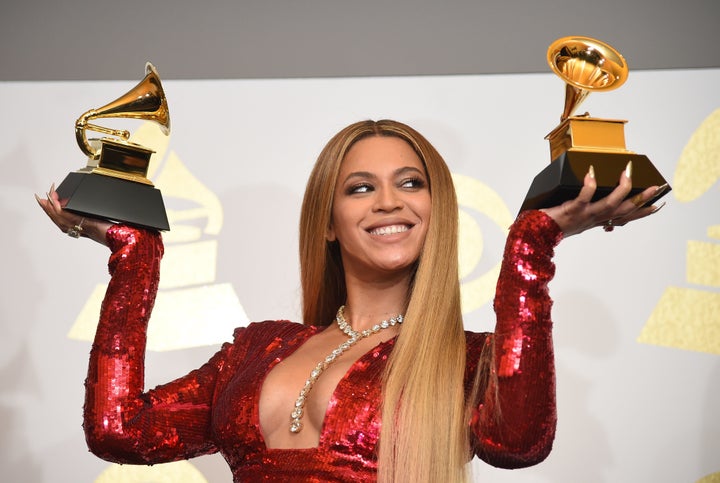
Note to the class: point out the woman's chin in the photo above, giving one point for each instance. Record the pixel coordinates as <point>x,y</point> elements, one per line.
<point>399,267</point>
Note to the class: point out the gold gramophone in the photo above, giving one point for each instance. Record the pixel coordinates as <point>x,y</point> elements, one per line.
<point>114,184</point>
<point>578,142</point>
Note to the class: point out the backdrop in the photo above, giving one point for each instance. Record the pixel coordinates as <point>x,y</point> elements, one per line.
<point>637,311</point>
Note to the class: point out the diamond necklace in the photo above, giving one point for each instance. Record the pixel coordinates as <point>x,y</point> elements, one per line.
<point>297,414</point>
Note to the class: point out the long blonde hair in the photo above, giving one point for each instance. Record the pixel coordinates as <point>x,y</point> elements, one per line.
<point>424,432</point>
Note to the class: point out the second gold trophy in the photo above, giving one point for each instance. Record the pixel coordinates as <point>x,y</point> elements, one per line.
<point>581,141</point>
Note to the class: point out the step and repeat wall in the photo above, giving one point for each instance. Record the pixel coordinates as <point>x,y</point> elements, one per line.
<point>636,311</point>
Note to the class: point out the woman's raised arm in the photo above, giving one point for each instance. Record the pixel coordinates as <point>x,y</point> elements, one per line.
<point>123,423</point>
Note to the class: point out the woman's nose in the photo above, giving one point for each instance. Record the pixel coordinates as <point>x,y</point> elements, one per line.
<point>387,199</point>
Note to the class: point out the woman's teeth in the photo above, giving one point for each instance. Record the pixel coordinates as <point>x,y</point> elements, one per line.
<point>389,230</point>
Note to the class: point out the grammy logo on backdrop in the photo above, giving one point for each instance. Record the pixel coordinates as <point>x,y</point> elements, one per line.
<point>114,184</point>
<point>587,65</point>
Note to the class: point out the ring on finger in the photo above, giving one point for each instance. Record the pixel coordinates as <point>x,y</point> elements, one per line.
<point>609,226</point>
<point>76,231</point>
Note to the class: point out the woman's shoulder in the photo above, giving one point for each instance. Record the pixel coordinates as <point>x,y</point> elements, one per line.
<point>273,329</point>
<point>267,336</point>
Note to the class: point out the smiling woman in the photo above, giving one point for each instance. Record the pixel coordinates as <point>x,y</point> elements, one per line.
<point>381,210</point>
<point>380,381</point>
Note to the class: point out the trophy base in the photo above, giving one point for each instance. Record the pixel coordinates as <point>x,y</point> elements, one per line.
<point>114,199</point>
<point>563,178</point>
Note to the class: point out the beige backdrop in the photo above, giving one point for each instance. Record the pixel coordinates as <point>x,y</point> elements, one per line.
<point>637,311</point>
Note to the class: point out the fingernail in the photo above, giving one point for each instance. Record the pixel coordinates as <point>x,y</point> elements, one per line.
<point>628,170</point>
<point>591,171</point>
<point>657,208</point>
<point>37,197</point>
<point>661,189</point>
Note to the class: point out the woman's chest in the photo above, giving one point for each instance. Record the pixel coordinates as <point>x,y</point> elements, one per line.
<point>255,408</point>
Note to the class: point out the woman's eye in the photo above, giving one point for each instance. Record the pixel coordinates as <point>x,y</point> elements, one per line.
<point>360,188</point>
<point>412,183</point>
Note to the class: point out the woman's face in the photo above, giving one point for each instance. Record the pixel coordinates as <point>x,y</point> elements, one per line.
<point>381,208</point>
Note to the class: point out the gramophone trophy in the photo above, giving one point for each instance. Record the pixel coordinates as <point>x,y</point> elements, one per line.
<point>114,184</point>
<point>578,142</point>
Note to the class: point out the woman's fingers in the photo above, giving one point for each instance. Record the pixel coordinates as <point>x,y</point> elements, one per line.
<point>71,223</point>
<point>636,206</point>
<point>48,206</point>
<point>642,199</point>
<point>609,207</point>
<point>588,189</point>
<point>575,215</point>
<point>616,209</point>
<point>53,207</point>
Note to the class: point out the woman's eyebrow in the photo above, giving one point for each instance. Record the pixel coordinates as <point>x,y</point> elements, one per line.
<point>369,175</point>
<point>407,169</point>
<point>360,174</point>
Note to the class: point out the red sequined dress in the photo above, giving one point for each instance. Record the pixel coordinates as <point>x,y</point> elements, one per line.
<point>215,408</point>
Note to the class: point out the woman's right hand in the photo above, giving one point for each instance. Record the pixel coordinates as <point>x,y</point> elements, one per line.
<point>616,209</point>
<point>72,223</point>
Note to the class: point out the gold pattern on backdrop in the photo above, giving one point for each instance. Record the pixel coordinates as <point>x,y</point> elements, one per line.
<point>475,197</point>
<point>713,478</point>
<point>191,310</point>
<point>689,318</point>
<point>177,472</point>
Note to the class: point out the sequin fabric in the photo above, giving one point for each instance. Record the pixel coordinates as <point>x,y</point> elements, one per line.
<point>215,408</point>
<point>514,423</point>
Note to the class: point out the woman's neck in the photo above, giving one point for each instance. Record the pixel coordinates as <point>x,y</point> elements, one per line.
<point>369,302</point>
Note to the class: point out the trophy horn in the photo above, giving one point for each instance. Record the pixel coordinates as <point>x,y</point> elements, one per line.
<point>585,64</point>
<point>144,101</point>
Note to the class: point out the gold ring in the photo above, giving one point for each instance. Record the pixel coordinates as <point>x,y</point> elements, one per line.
<point>76,230</point>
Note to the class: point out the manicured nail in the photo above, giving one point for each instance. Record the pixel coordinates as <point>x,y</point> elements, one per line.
<point>661,189</point>
<point>628,170</point>
<point>657,208</point>
<point>38,199</point>
<point>591,171</point>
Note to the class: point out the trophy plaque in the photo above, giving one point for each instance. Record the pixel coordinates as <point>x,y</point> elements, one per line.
<point>586,65</point>
<point>114,184</point>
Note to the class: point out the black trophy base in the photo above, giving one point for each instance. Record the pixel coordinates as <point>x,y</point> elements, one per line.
<point>114,199</point>
<point>563,178</point>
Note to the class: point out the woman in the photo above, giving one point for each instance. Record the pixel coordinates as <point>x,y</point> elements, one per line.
<point>382,336</point>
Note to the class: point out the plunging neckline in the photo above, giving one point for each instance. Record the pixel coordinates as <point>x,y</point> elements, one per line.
<point>330,406</point>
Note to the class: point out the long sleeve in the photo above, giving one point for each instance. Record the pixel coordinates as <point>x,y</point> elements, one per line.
<point>514,423</point>
<point>123,424</point>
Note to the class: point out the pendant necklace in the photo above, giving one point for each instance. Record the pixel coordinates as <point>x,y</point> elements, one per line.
<point>297,414</point>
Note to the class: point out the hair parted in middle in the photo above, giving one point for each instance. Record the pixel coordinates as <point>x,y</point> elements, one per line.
<point>429,440</point>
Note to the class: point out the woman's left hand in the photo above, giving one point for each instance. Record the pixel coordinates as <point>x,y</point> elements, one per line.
<point>71,223</point>
<point>580,214</point>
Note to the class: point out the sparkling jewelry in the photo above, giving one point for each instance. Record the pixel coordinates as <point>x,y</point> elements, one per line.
<point>354,336</point>
<point>76,230</point>
<point>608,226</point>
